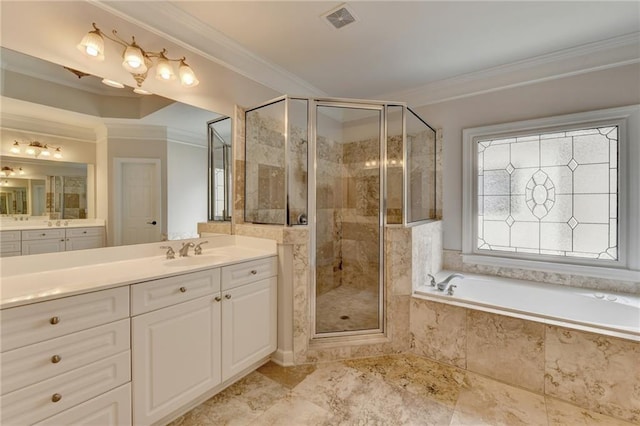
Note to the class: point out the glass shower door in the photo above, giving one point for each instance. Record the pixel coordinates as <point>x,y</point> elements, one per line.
<point>348,262</point>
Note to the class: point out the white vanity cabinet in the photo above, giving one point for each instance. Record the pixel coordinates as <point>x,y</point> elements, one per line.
<point>176,348</point>
<point>249,314</point>
<point>61,356</point>
<point>51,240</point>
<point>197,330</point>
<point>10,243</point>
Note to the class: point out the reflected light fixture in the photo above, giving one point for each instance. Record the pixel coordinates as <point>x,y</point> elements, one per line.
<point>37,149</point>
<point>136,60</point>
<point>10,171</point>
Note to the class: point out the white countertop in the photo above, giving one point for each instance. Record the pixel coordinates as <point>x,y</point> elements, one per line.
<point>24,225</point>
<point>76,273</point>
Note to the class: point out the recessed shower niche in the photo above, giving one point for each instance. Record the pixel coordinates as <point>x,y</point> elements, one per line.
<point>346,169</point>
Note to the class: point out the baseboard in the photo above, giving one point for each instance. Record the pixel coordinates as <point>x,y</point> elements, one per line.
<point>283,358</point>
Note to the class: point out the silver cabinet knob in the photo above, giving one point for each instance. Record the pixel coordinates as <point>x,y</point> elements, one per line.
<point>54,320</point>
<point>56,397</point>
<point>43,235</point>
<point>253,272</point>
<point>183,289</point>
<point>227,296</point>
<point>56,359</point>
<point>217,298</point>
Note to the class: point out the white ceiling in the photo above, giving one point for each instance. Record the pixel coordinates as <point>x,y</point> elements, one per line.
<point>396,48</point>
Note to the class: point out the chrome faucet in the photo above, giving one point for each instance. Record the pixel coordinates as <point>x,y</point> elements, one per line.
<point>198,250</point>
<point>170,253</point>
<point>184,250</point>
<point>444,284</point>
<point>432,280</point>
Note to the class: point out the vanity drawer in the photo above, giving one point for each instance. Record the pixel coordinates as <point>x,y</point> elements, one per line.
<point>6,236</point>
<point>110,409</point>
<point>34,323</point>
<point>31,364</point>
<point>157,294</point>
<point>246,272</point>
<point>37,402</point>
<point>43,234</point>
<point>10,246</point>
<point>94,231</point>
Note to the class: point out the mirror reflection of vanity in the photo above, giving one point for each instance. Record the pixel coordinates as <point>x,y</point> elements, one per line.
<point>53,189</point>
<point>100,141</point>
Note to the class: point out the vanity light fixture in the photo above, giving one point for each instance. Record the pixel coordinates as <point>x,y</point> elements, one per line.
<point>9,171</point>
<point>37,149</point>
<point>136,60</point>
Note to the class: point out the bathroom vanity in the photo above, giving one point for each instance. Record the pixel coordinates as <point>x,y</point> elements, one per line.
<point>108,339</point>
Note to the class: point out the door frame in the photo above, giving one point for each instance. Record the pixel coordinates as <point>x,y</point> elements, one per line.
<point>118,163</point>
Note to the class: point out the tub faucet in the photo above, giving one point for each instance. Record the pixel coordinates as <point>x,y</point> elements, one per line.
<point>432,280</point>
<point>444,284</point>
<point>184,250</point>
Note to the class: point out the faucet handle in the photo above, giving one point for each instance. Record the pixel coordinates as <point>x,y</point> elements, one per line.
<point>198,250</point>
<point>170,253</point>
<point>432,279</point>
<point>450,290</point>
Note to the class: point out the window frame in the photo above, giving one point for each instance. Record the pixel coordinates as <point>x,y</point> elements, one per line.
<point>628,264</point>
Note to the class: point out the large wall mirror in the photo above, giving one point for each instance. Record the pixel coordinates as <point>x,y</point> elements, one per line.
<point>220,169</point>
<point>112,127</point>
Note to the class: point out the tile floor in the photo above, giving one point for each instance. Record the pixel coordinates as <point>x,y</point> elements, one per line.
<point>347,308</point>
<point>389,390</point>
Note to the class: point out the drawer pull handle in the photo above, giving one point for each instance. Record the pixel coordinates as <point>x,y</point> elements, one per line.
<point>54,320</point>
<point>183,289</point>
<point>56,397</point>
<point>56,359</point>
<point>253,272</point>
<point>217,298</point>
<point>227,296</point>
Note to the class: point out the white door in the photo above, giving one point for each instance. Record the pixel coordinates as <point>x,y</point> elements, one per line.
<point>176,357</point>
<point>249,318</point>
<point>139,194</point>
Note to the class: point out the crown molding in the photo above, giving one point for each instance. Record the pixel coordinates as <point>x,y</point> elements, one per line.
<point>135,131</point>
<point>189,32</point>
<point>610,53</point>
<point>42,127</point>
<point>186,137</point>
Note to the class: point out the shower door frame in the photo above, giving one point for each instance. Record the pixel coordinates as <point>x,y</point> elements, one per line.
<point>382,217</point>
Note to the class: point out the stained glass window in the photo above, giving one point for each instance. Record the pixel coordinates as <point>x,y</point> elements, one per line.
<point>550,193</point>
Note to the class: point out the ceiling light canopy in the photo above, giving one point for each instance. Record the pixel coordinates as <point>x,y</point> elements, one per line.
<point>136,60</point>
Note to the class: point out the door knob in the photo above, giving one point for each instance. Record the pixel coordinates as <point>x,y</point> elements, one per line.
<point>152,223</point>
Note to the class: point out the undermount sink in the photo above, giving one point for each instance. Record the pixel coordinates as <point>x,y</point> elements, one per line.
<point>205,259</point>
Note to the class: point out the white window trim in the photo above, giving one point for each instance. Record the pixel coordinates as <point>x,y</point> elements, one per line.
<point>628,266</point>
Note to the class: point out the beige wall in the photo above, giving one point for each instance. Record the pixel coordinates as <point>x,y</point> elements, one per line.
<point>596,90</point>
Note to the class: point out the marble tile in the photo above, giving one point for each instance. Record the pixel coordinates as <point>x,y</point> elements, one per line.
<point>239,404</point>
<point>560,413</point>
<point>487,402</point>
<point>347,308</point>
<point>439,332</point>
<point>593,371</point>
<point>420,376</point>
<point>293,411</point>
<point>398,258</point>
<point>507,349</point>
<point>357,397</point>
<point>288,377</point>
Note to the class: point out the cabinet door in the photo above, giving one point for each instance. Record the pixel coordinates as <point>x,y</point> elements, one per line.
<point>43,246</point>
<point>83,243</point>
<point>249,319</point>
<point>176,357</point>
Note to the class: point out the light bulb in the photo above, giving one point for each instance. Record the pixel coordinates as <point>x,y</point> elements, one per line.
<point>30,150</point>
<point>92,44</point>
<point>15,149</point>
<point>134,60</point>
<point>45,152</point>
<point>57,153</point>
<point>164,70</point>
<point>187,76</point>
<point>20,171</point>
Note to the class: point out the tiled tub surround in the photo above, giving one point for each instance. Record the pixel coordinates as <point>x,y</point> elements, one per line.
<point>599,373</point>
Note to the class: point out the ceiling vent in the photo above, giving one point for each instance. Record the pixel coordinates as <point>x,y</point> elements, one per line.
<point>340,16</point>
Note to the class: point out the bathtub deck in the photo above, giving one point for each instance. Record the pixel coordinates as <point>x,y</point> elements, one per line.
<point>389,390</point>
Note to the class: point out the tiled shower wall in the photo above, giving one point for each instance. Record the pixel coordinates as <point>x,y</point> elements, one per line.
<point>66,197</point>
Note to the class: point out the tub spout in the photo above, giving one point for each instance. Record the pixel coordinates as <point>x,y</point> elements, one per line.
<point>444,284</point>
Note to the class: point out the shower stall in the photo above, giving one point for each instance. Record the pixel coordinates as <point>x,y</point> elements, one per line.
<point>346,169</point>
